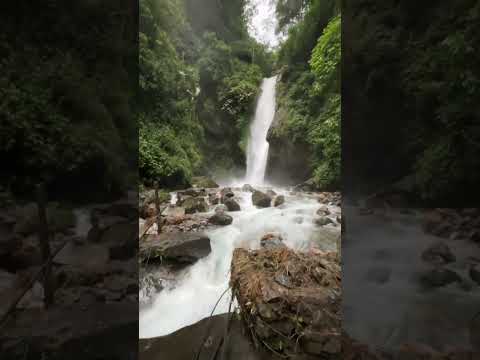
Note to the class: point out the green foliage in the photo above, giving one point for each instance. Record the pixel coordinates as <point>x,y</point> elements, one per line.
<point>326,57</point>
<point>303,35</point>
<point>169,132</point>
<point>199,77</point>
<point>64,119</point>
<point>311,97</point>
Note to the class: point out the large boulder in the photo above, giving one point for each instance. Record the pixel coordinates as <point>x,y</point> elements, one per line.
<point>225,194</point>
<point>194,204</point>
<point>181,248</point>
<point>220,218</point>
<point>279,200</point>
<point>231,204</point>
<point>261,199</point>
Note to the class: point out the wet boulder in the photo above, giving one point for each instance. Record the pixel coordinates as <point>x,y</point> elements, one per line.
<point>180,247</point>
<point>271,241</point>
<point>271,193</point>
<point>279,200</point>
<point>323,211</point>
<point>323,221</point>
<point>194,204</point>
<point>438,253</point>
<point>248,187</point>
<point>231,204</point>
<point>59,219</point>
<point>226,193</point>
<point>220,218</point>
<point>261,199</point>
<point>221,208</point>
<point>214,199</point>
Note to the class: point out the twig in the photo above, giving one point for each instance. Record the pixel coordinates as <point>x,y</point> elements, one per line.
<point>197,355</point>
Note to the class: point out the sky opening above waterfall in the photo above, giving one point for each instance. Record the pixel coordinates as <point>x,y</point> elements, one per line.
<point>263,22</point>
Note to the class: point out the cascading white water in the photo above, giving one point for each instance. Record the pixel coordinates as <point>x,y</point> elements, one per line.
<point>257,150</point>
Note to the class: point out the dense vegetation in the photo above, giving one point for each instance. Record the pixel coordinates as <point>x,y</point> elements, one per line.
<point>199,78</point>
<point>65,96</point>
<point>413,85</point>
<point>309,92</point>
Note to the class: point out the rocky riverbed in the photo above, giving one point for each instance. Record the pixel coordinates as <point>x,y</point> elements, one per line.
<point>189,261</point>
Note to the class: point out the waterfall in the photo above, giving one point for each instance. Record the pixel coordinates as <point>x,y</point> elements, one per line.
<point>257,149</point>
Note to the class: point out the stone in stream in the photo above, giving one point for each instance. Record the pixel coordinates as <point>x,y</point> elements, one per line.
<point>248,187</point>
<point>225,194</point>
<point>220,218</point>
<point>261,199</point>
<point>178,247</point>
<point>272,241</point>
<point>231,204</point>
<point>221,209</point>
<point>323,211</point>
<point>322,221</point>
<point>194,204</point>
<point>271,193</point>
<point>438,253</point>
<point>279,200</point>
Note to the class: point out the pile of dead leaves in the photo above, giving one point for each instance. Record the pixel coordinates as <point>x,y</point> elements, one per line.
<point>290,301</point>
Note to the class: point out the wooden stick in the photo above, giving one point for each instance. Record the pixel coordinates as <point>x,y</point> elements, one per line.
<point>43,235</point>
<point>30,283</point>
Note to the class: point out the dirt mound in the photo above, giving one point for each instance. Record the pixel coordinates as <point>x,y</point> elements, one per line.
<point>290,302</point>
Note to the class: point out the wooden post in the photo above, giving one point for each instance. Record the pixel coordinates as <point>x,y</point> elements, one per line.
<point>43,235</point>
<point>157,207</point>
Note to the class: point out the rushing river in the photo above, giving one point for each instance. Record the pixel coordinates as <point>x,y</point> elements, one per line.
<point>200,288</point>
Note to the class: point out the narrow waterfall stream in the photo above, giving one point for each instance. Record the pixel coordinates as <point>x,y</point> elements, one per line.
<point>257,150</point>
<point>201,285</point>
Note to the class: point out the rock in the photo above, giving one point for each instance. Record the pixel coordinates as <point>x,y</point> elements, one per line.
<point>213,199</point>
<point>148,211</point>
<point>379,275</point>
<point>181,248</point>
<point>226,193</point>
<point>475,273</point>
<point>203,182</point>
<point>248,187</point>
<point>439,277</point>
<point>220,218</point>
<point>272,241</point>
<point>221,208</point>
<point>194,204</point>
<point>261,199</point>
<point>231,204</point>
<point>438,253</point>
<point>271,193</point>
<point>119,233</point>
<point>279,200</point>
<point>173,211</point>
<point>322,221</point>
<point>323,211</point>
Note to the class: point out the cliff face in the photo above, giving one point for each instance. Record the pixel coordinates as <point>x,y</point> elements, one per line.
<point>288,159</point>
